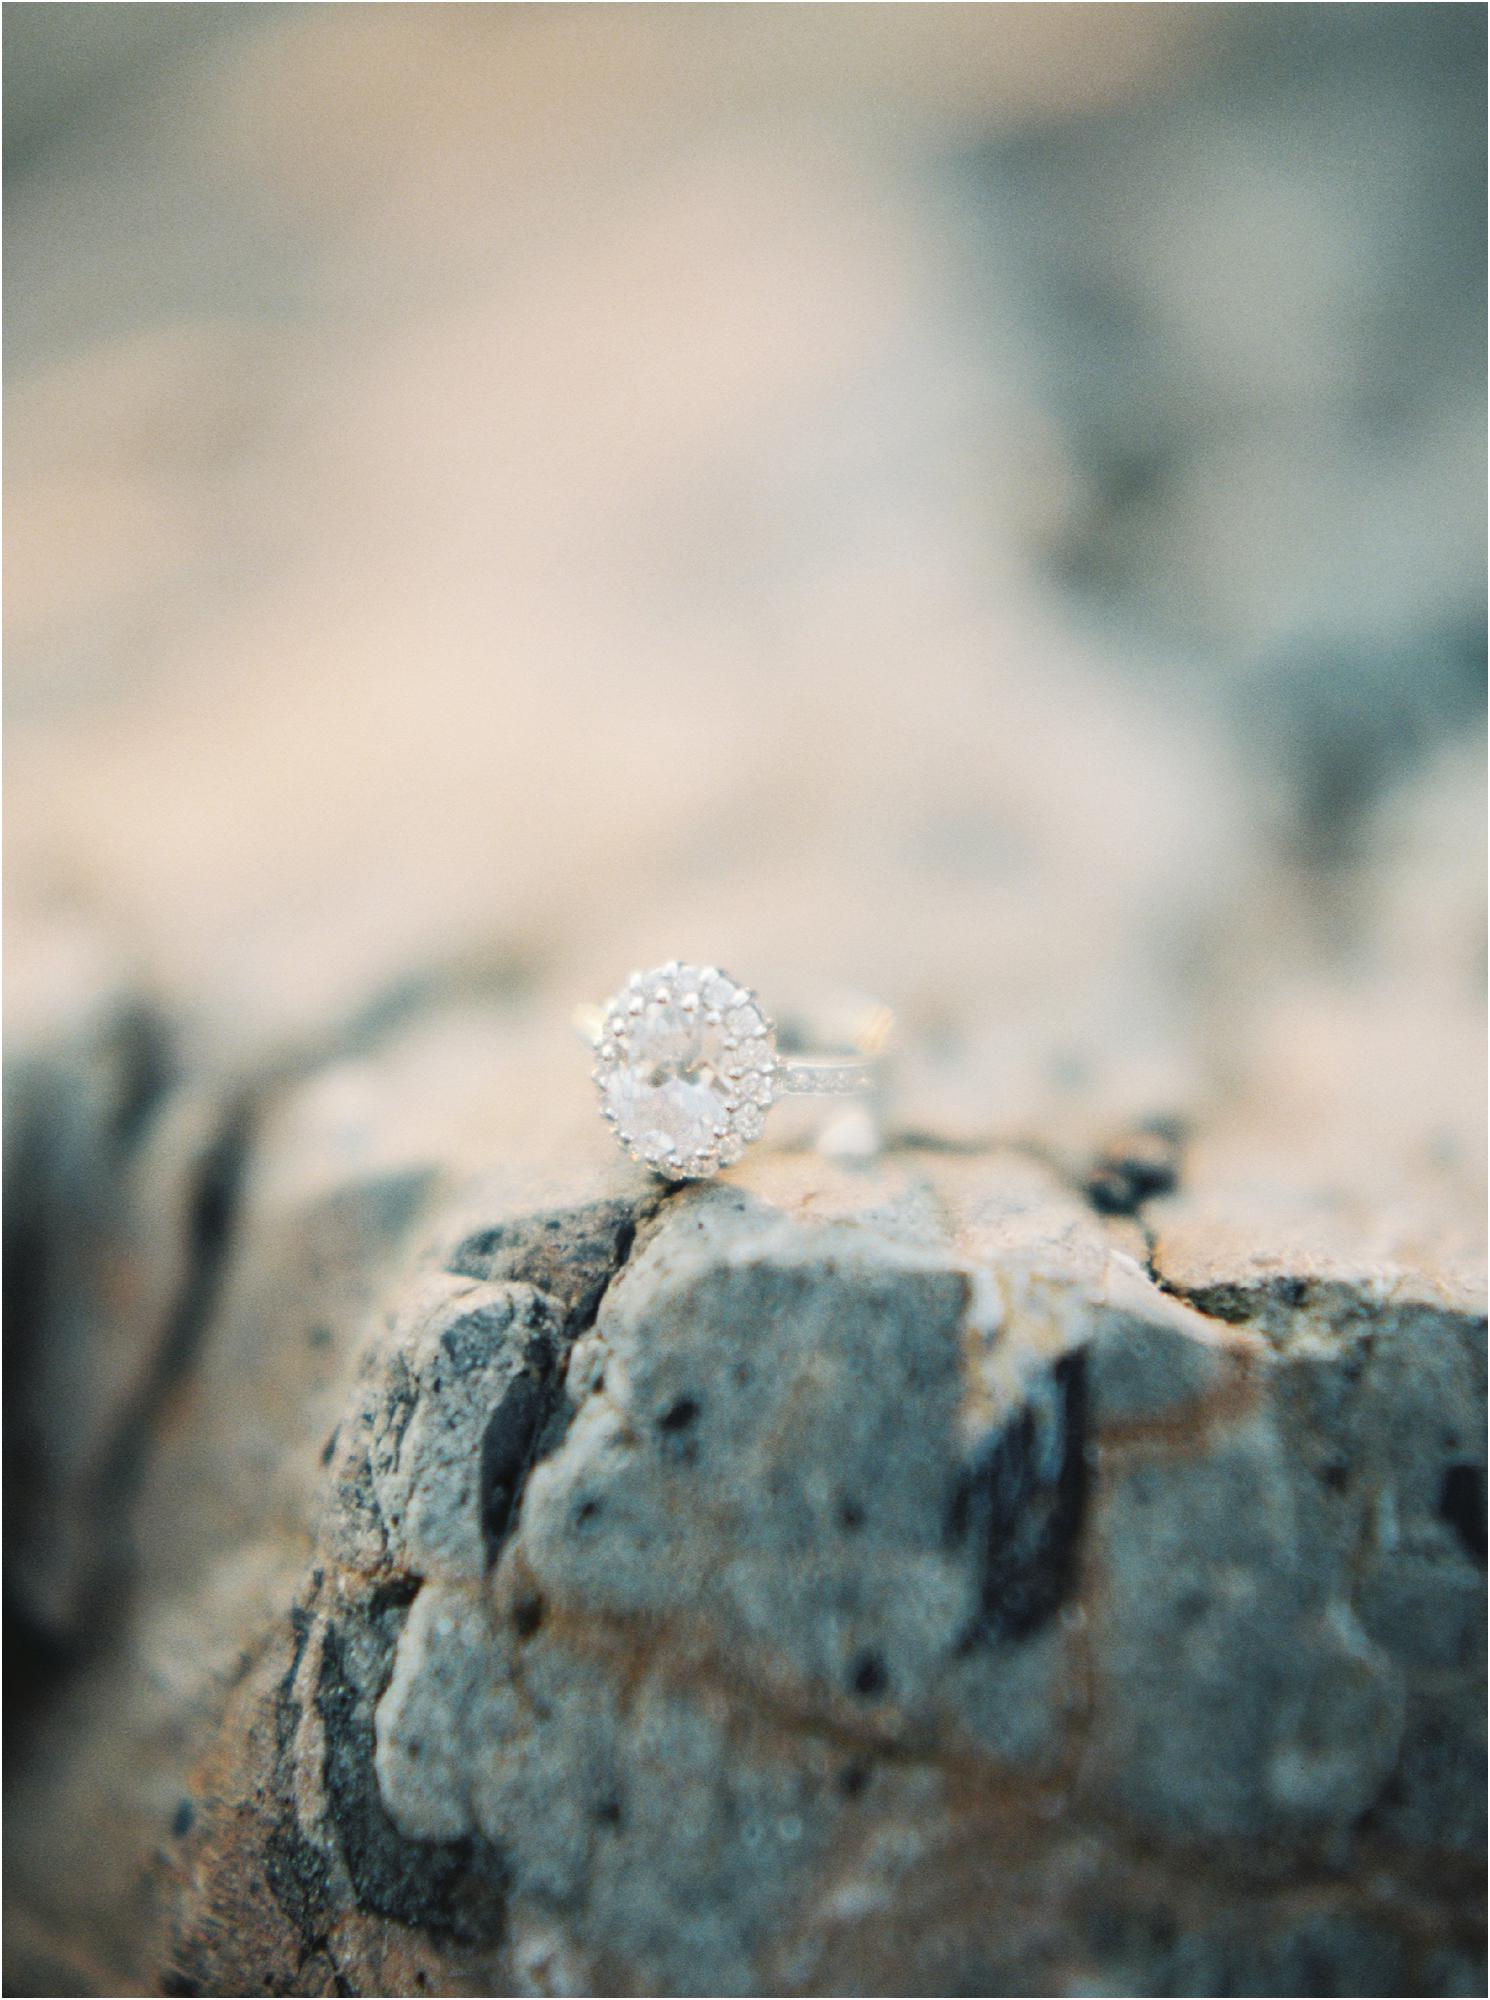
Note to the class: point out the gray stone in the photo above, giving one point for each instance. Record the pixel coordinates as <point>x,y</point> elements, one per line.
<point>456,1420</point>
<point>1206,1569</point>
<point>727,1593</point>
<point>1150,1355</point>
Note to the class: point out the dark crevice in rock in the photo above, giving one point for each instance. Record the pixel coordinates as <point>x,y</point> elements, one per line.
<point>1241,1304</point>
<point>74,1120</point>
<point>532,1418</point>
<point>456,1889</point>
<point>297,1871</point>
<point>527,1615</point>
<point>508,1448</point>
<point>402,1398</point>
<point>1280,1307</point>
<point>147,1068</point>
<point>1020,1505</point>
<point>210,1224</point>
<point>622,1248</point>
<point>1134,1169</point>
<point>107,1503</point>
<point>1151,1256</point>
<point>36,1660</point>
<point>299,1878</point>
<point>1462,1504</point>
<point>572,1254</point>
<point>286,1704</point>
<point>867,1676</point>
<point>1140,1165</point>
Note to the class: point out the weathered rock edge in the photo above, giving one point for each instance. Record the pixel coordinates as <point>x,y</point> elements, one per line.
<point>708,1599</point>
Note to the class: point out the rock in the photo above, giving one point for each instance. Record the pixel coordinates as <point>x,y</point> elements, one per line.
<point>122,1176</point>
<point>843,1577</point>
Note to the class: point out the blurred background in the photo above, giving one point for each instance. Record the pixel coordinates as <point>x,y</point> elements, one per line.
<point>984,501</point>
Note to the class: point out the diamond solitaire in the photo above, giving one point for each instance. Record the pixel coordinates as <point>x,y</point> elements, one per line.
<point>687,1067</point>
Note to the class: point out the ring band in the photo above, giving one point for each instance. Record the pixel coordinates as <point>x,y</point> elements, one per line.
<point>688,1063</point>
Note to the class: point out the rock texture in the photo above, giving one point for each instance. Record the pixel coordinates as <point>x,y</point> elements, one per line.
<point>894,1577</point>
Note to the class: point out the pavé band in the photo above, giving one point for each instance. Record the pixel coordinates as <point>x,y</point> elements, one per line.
<point>801,1078</point>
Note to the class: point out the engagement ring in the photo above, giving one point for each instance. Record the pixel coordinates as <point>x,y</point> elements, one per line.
<point>688,1063</point>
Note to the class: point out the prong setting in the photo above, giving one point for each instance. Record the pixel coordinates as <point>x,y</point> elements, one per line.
<point>685,1069</point>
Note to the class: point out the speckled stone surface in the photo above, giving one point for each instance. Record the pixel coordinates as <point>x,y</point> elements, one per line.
<point>843,1579</point>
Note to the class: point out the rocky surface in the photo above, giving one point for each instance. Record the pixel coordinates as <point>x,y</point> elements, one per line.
<point>899,1576</point>
<point>926,513</point>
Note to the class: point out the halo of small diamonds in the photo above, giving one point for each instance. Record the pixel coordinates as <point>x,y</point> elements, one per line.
<point>686,1068</point>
